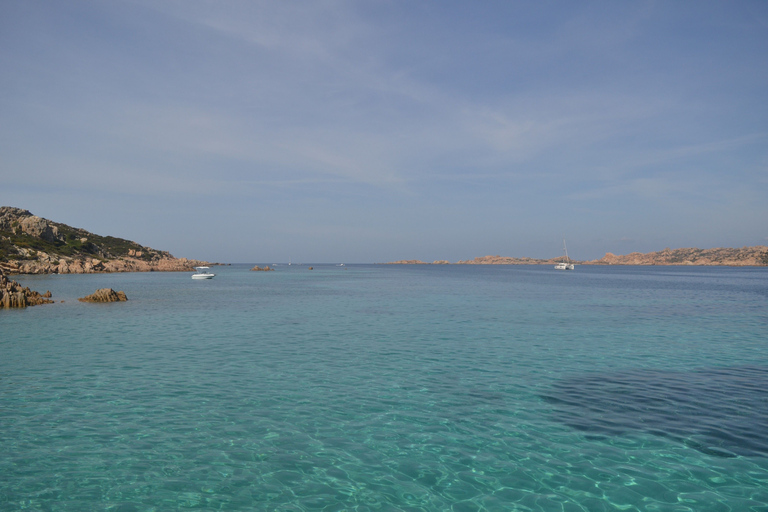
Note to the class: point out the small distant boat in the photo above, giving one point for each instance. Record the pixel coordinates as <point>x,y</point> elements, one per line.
<point>566,263</point>
<point>202,273</point>
<point>340,265</point>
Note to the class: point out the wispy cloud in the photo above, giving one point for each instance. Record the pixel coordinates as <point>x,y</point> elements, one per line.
<point>393,110</point>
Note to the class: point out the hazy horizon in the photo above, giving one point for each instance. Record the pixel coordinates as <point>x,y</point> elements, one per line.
<point>368,132</point>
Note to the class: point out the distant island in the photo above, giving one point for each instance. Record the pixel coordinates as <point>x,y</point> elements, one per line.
<point>33,245</point>
<point>745,256</point>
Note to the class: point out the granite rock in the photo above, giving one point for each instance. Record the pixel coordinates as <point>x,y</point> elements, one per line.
<point>13,295</point>
<point>105,295</point>
<point>62,249</point>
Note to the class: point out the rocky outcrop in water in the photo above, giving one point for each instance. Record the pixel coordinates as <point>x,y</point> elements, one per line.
<point>104,295</point>
<point>13,295</point>
<point>33,245</point>
<point>262,269</point>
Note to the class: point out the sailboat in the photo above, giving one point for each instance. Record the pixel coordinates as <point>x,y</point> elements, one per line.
<point>566,263</point>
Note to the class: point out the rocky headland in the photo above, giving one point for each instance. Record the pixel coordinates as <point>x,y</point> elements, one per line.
<point>33,245</point>
<point>745,256</point>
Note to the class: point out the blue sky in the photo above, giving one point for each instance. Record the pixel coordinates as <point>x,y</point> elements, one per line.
<point>370,131</point>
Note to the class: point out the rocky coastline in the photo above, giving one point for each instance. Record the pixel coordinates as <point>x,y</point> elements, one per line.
<point>33,245</point>
<point>419,262</point>
<point>47,264</point>
<point>720,256</point>
<point>506,260</point>
<point>735,257</point>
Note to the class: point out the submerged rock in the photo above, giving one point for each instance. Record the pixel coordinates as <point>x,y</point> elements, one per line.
<point>105,295</point>
<point>719,411</point>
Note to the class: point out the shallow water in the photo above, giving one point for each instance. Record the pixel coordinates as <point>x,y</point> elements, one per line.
<point>390,388</point>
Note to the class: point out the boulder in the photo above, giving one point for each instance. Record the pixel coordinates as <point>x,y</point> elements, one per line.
<point>12,299</point>
<point>40,228</point>
<point>262,269</point>
<point>13,295</point>
<point>104,295</point>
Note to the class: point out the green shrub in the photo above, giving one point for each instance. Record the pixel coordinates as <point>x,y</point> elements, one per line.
<point>70,244</point>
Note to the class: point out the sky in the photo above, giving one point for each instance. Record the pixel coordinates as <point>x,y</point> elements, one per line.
<point>373,131</point>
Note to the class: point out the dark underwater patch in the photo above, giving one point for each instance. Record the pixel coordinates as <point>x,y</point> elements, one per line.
<point>718,411</point>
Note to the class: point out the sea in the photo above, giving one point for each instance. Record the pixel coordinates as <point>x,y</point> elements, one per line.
<point>390,388</point>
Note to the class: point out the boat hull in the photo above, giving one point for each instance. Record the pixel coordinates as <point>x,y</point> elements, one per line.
<point>564,265</point>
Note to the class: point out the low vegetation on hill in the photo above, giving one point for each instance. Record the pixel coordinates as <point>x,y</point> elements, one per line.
<point>32,244</point>
<point>22,234</point>
<point>744,256</point>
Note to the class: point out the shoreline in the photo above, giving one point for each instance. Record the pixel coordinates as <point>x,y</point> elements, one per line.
<point>756,256</point>
<point>589,264</point>
<point>100,266</point>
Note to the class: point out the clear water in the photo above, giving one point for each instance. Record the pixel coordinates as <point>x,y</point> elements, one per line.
<point>384,388</point>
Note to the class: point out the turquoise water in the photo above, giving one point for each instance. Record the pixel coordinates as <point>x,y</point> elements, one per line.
<point>384,388</point>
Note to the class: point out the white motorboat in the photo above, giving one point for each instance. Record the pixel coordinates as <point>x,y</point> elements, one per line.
<point>202,273</point>
<point>566,263</point>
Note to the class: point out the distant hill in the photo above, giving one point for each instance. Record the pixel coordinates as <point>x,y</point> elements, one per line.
<point>745,256</point>
<point>33,245</point>
<point>418,262</point>
<point>507,260</point>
